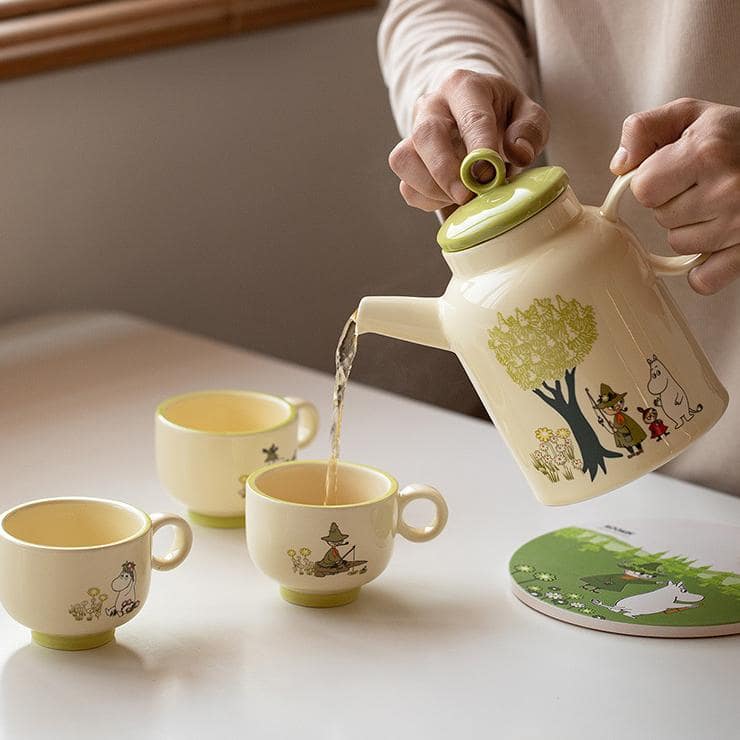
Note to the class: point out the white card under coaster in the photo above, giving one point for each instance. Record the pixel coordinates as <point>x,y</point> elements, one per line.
<point>645,577</point>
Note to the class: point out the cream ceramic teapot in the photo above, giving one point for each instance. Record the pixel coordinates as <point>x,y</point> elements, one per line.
<point>561,320</point>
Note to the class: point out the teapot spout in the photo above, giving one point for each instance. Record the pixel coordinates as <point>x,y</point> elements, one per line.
<point>415,320</point>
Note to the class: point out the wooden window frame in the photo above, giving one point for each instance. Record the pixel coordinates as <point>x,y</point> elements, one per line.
<point>40,35</point>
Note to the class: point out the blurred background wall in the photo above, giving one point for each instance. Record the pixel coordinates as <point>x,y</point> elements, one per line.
<point>236,188</point>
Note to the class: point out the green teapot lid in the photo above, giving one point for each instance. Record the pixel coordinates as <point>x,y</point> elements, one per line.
<point>499,205</point>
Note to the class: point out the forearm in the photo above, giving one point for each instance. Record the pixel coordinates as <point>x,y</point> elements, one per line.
<point>421,41</point>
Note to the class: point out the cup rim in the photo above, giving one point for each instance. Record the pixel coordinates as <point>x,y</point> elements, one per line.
<point>161,407</point>
<point>146,526</point>
<point>392,488</point>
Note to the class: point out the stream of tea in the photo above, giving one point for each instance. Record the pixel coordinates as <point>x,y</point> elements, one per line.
<point>345,355</point>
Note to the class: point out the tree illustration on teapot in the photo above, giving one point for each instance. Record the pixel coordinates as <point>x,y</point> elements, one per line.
<point>546,342</point>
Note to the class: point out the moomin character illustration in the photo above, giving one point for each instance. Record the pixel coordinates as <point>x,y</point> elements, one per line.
<point>271,454</point>
<point>124,584</point>
<point>673,597</point>
<point>628,434</point>
<point>669,395</point>
<point>657,426</point>
<point>334,561</point>
<point>637,575</point>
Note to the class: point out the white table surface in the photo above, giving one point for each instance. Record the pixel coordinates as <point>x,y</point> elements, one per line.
<point>436,648</point>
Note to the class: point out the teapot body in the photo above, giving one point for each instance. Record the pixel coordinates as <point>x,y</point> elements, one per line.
<point>578,351</point>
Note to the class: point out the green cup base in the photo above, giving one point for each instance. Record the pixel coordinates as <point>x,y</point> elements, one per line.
<point>321,601</point>
<point>79,642</point>
<point>217,522</point>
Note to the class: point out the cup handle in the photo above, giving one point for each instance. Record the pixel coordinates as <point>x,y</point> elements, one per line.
<point>412,493</point>
<point>663,266</point>
<point>308,420</point>
<point>180,547</point>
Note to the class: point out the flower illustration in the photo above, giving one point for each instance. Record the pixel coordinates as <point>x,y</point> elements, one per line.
<point>537,454</point>
<point>291,552</point>
<point>543,434</point>
<point>534,590</point>
<point>523,569</point>
<point>577,604</point>
<point>554,595</point>
<point>573,597</point>
<point>91,608</point>
<point>587,611</point>
<point>563,432</point>
<point>542,576</point>
<point>578,462</point>
<point>560,459</point>
<point>305,552</point>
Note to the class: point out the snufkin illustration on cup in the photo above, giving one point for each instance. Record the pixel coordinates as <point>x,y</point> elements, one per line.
<point>334,561</point>
<point>611,412</point>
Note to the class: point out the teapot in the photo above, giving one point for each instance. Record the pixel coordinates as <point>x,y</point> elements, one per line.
<point>562,322</point>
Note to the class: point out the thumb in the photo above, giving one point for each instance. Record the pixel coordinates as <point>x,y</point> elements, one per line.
<point>527,131</point>
<point>645,132</point>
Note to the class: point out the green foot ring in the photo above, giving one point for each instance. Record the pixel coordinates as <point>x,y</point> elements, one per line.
<point>79,642</point>
<point>322,601</point>
<point>217,522</point>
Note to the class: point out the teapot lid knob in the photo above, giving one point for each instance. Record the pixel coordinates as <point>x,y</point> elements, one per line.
<point>482,155</point>
<point>499,205</point>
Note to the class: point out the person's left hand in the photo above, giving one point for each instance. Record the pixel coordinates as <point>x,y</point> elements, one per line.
<point>689,157</point>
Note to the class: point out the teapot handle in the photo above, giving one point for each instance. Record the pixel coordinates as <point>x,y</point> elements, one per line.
<point>660,264</point>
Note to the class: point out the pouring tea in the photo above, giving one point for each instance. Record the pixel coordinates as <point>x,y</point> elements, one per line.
<point>561,320</point>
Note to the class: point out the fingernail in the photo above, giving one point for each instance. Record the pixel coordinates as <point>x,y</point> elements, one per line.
<point>697,283</point>
<point>460,193</point>
<point>527,148</point>
<point>619,159</point>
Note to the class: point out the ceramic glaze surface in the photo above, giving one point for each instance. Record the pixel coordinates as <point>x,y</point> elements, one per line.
<point>204,459</point>
<point>82,590</point>
<point>328,550</point>
<point>632,319</point>
<point>578,351</point>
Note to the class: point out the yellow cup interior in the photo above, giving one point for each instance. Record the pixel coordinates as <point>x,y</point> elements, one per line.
<point>226,412</point>
<point>304,483</point>
<point>74,522</point>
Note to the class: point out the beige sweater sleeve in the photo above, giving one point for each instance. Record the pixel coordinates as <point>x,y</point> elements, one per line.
<point>421,41</point>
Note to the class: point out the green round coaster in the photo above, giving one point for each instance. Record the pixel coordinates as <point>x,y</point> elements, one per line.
<point>651,578</point>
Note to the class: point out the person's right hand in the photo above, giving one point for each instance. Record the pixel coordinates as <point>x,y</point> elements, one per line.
<point>470,110</point>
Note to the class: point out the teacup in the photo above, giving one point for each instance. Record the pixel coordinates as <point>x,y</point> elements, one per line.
<point>208,442</point>
<point>73,570</point>
<point>322,555</point>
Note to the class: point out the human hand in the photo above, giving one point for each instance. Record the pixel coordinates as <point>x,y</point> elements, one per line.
<point>689,157</point>
<point>470,110</point>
